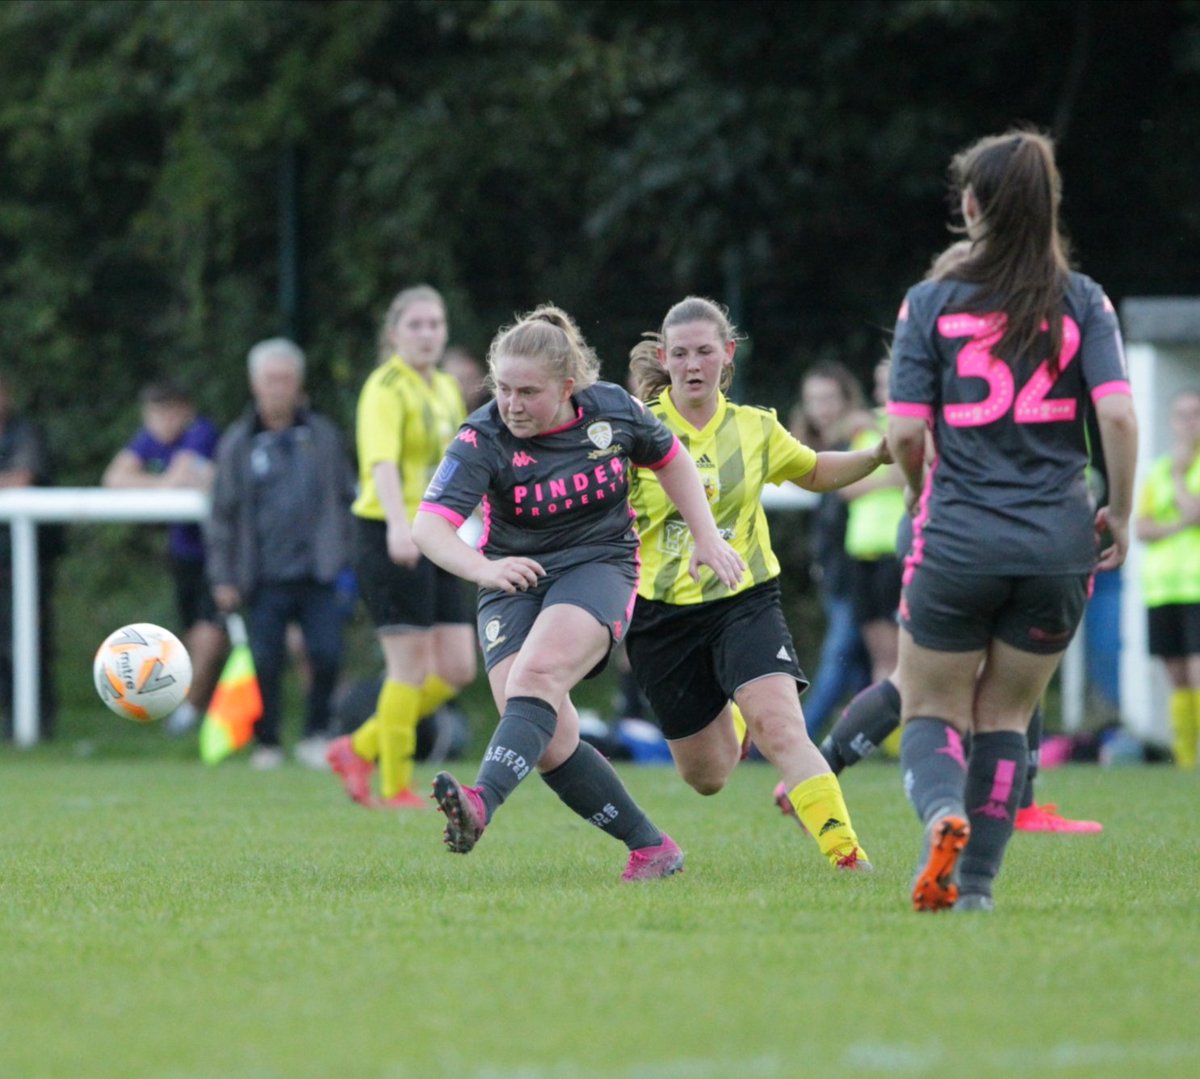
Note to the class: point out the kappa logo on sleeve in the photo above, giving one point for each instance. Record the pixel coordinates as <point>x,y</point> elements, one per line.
<point>468,435</point>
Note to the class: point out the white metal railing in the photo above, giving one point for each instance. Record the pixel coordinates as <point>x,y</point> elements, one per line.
<point>24,508</point>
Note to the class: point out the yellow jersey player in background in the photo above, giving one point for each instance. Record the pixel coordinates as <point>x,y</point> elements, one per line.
<point>407,413</point>
<point>695,647</point>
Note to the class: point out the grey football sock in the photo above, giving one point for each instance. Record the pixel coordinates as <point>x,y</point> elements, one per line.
<point>586,782</point>
<point>867,720</point>
<point>520,739</point>
<point>934,768</point>
<point>1033,738</point>
<point>995,780</point>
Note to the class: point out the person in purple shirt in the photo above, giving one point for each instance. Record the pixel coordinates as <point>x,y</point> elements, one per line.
<point>174,447</point>
<point>1001,355</point>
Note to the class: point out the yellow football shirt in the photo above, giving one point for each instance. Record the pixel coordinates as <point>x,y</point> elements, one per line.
<point>403,418</point>
<point>737,452</point>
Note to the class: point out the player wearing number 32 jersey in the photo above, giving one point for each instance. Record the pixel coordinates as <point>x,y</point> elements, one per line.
<point>1007,493</point>
<point>1002,353</point>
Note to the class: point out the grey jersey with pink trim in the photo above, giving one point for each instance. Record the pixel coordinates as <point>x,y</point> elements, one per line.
<point>1007,494</point>
<point>561,497</point>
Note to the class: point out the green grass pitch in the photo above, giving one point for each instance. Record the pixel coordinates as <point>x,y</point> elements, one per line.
<point>164,919</point>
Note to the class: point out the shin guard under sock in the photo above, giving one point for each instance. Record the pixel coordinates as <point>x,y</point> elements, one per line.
<point>862,727</point>
<point>397,714</point>
<point>1184,708</point>
<point>995,779</point>
<point>820,807</point>
<point>587,784</point>
<point>520,739</point>
<point>365,740</point>
<point>1033,739</point>
<point>934,767</point>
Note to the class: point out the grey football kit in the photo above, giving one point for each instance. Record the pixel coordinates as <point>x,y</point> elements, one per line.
<point>1008,494</point>
<point>1003,537</point>
<point>561,498</point>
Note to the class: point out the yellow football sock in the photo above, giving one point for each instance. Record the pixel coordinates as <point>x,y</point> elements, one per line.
<point>365,740</point>
<point>819,804</point>
<point>1184,707</point>
<point>1195,721</point>
<point>435,692</point>
<point>398,712</point>
<point>739,723</point>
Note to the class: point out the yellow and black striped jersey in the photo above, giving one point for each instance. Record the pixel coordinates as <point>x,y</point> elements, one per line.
<point>738,451</point>
<point>404,419</point>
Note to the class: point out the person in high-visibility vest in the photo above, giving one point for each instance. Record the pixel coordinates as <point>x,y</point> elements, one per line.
<point>1168,523</point>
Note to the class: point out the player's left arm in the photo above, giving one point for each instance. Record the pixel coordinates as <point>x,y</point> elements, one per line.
<point>1118,434</point>
<point>838,469</point>
<point>1102,359</point>
<point>906,438</point>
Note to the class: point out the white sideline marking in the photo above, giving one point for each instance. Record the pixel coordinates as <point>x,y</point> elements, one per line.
<point>918,1059</point>
<point>670,1069</point>
<point>878,1058</point>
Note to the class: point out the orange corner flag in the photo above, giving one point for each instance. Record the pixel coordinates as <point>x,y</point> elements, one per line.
<point>236,702</point>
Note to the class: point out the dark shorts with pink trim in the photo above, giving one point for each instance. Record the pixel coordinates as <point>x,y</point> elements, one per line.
<point>604,589</point>
<point>689,660</point>
<point>949,611</point>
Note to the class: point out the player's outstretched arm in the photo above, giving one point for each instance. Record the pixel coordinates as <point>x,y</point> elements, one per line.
<point>839,468</point>
<point>440,542</point>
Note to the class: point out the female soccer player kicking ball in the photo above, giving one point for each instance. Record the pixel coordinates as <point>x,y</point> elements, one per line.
<point>550,458</point>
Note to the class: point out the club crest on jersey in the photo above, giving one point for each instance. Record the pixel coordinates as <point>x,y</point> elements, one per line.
<point>492,635</point>
<point>601,434</point>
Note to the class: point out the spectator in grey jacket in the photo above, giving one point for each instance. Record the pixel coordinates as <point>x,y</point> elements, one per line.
<point>278,537</point>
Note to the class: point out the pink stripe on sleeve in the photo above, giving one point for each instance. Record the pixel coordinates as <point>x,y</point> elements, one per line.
<point>1118,385</point>
<point>455,519</point>
<point>910,409</point>
<point>486,510</point>
<point>675,444</point>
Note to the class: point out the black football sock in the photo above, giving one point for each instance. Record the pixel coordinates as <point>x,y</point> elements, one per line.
<point>586,782</point>
<point>520,739</point>
<point>995,779</point>
<point>934,768</point>
<point>862,727</point>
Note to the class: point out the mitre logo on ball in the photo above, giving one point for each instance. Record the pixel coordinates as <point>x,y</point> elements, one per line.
<point>142,672</point>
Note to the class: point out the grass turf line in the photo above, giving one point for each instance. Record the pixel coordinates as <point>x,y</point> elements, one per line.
<point>163,919</point>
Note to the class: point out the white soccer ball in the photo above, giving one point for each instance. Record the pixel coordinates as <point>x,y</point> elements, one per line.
<point>142,672</point>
